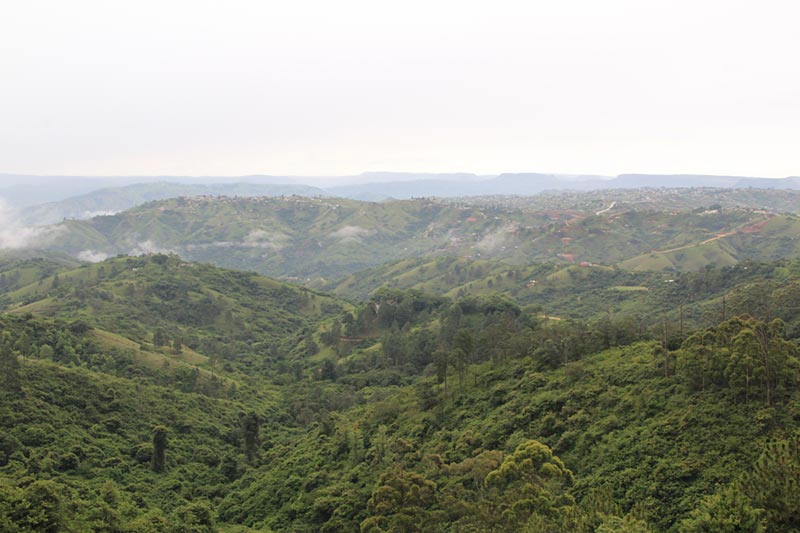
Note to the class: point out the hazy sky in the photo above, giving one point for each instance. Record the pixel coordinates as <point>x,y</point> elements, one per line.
<point>338,87</point>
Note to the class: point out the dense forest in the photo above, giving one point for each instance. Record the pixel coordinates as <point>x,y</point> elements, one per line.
<point>151,394</point>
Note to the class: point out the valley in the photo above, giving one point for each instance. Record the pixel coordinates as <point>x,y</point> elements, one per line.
<point>416,365</point>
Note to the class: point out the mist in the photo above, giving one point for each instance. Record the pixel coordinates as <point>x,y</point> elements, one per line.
<point>15,236</point>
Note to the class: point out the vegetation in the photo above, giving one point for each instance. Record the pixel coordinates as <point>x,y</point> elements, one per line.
<point>305,239</point>
<point>450,394</point>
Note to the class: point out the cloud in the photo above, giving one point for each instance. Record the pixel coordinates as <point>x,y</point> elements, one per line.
<point>92,256</point>
<point>148,247</point>
<point>13,235</point>
<point>92,214</point>
<point>351,233</point>
<point>495,240</point>
<point>258,238</point>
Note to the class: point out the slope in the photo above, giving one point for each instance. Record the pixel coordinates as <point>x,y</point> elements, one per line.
<point>304,239</point>
<point>170,307</point>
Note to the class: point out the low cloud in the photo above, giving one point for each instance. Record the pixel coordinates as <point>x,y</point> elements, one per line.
<point>14,235</point>
<point>495,240</point>
<point>258,238</point>
<point>91,214</point>
<point>92,257</point>
<point>148,247</point>
<point>351,233</point>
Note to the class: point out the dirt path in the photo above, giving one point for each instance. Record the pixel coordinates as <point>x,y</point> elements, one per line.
<point>716,237</point>
<point>607,209</point>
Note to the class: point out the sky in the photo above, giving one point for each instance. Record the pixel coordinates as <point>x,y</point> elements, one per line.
<point>173,87</point>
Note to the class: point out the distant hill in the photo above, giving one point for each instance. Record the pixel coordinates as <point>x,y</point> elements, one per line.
<point>303,239</point>
<point>113,200</point>
<point>24,191</point>
<point>526,184</point>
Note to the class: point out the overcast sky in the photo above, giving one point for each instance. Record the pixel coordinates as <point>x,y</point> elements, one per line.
<point>339,87</point>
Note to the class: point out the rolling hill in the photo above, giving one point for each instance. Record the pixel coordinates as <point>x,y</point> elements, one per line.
<point>160,308</point>
<point>304,239</point>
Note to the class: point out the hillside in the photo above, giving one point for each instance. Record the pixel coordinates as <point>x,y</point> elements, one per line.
<point>115,199</point>
<point>436,398</point>
<point>60,191</point>
<point>24,267</point>
<point>166,310</point>
<point>452,391</point>
<point>304,239</point>
<point>592,292</point>
<point>665,199</point>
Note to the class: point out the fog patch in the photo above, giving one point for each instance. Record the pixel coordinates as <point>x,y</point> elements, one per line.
<point>91,256</point>
<point>258,238</point>
<point>149,247</point>
<point>91,214</point>
<point>14,235</point>
<point>496,240</point>
<point>351,233</point>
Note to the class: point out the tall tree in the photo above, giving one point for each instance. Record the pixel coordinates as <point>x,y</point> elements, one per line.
<point>251,424</point>
<point>773,484</point>
<point>159,448</point>
<point>727,511</point>
<point>9,367</point>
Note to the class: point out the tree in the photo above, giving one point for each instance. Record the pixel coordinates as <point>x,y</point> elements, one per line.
<point>743,365</point>
<point>46,351</point>
<point>395,347</point>
<point>463,348</point>
<point>159,448</point>
<point>627,524</point>
<point>529,482</point>
<point>250,427</point>
<point>700,361</point>
<point>780,359</point>
<point>399,503</point>
<point>195,517</point>
<point>773,484</point>
<point>41,509</point>
<point>9,367</point>
<point>441,360</point>
<point>328,369</point>
<point>727,511</point>
<point>105,512</point>
<point>160,338</point>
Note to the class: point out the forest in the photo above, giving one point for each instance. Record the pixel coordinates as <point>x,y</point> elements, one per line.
<point>145,394</point>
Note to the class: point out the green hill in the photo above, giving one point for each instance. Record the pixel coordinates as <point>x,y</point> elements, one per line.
<point>488,377</point>
<point>198,314</point>
<point>23,267</point>
<point>429,429</point>
<point>304,239</point>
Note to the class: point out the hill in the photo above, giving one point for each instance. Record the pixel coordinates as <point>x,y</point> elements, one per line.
<point>113,200</point>
<point>592,292</point>
<point>164,311</point>
<point>469,407</point>
<point>307,238</point>
<point>25,190</point>
<point>24,267</point>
